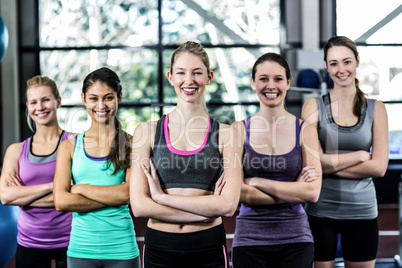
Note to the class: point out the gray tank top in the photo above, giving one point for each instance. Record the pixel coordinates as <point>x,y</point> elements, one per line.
<point>343,198</point>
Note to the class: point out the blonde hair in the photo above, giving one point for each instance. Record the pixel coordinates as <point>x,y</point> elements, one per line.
<point>43,81</point>
<point>196,49</point>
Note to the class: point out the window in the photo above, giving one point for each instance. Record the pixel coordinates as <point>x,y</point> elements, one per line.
<point>136,39</point>
<point>380,69</point>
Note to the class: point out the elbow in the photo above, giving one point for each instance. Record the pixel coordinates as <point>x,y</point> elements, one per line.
<point>313,196</point>
<point>59,207</point>
<point>59,204</point>
<point>139,211</point>
<point>380,172</point>
<point>229,209</point>
<point>6,199</point>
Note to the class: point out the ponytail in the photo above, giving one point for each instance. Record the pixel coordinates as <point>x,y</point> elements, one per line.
<point>120,150</point>
<point>360,100</point>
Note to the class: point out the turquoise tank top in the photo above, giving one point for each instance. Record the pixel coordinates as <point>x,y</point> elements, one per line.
<point>106,233</point>
<point>343,198</point>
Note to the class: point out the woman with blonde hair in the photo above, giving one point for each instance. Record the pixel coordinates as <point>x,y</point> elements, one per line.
<point>176,173</point>
<point>27,181</point>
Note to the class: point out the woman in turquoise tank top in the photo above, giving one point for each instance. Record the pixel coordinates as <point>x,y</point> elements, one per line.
<point>282,171</point>
<point>353,132</point>
<point>188,147</point>
<point>92,181</point>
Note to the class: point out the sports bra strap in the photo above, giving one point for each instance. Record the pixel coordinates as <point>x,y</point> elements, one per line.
<point>298,129</point>
<point>246,123</point>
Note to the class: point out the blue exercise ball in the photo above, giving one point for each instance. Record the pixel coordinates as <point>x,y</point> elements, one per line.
<point>3,38</point>
<point>308,78</point>
<point>8,232</point>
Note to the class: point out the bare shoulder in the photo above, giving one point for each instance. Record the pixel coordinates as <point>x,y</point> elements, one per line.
<point>310,111</point>
<point>379,107</point>
<point>144,133</point>
<point>14,151</point>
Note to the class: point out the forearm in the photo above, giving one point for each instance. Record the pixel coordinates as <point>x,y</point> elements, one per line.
<point>204,205</point>
<point>371,168</point>
<point>75,203</point>
<point>253,196</point>
<point>148,208</point>
<point>332,163</point>
<point>293,192</point>
<point>114,195</point>
<point>24,195</point>
<point>45,201</point>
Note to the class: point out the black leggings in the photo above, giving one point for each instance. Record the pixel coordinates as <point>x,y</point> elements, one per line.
<point>40,258</point>
<point>206,249</point>
<point>295,255</point>
<point>359,238</point>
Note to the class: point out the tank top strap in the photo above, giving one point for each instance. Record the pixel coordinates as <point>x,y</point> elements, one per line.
<point>298,129</point>
<point>25,148</point>
<point>246,123</point>
<point>79,140</point>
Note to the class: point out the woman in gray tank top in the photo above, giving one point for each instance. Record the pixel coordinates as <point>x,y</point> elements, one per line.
<point>188,149</point>
<point>353,132</point>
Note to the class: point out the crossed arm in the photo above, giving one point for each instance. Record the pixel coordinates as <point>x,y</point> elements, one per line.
<point>358,164</point>
<point>261,191</point>
<point>14,192</point>
<point>148,200</point>
<point>83,197</point>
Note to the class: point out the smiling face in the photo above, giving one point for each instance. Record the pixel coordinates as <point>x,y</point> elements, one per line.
<point>101,102</point>
<point>270,83</point>
<point>189,76</point>
<point>42,105</point>
<point>341,64</point>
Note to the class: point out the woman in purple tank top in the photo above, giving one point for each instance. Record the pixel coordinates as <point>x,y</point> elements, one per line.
<point>281,172</point>
<point>27,181</point>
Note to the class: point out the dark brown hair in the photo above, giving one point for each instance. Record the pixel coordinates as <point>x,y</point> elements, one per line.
<point>360,98</point>
<point>120,150</point>
<point>272,57</point>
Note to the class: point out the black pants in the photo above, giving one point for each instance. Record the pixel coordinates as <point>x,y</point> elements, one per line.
<point>359,238</point>
<point>206,249</point>
<point>295,255</point>
<point>40,258</point>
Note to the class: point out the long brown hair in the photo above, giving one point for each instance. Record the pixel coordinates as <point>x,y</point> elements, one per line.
<point>360,98</point>
<point>120,150</point>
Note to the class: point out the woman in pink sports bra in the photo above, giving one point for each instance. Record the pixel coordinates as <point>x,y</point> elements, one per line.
<point>176,178</point>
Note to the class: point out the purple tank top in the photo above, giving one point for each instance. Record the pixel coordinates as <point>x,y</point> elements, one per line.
<point>42,228</point>
<point>273,224</point>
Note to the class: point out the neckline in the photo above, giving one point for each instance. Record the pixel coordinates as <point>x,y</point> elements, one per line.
<point>54,151</point>
<point>329,110</point>
<point>91,157</point>
<point>297,143</point>
<point>182,152</point>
